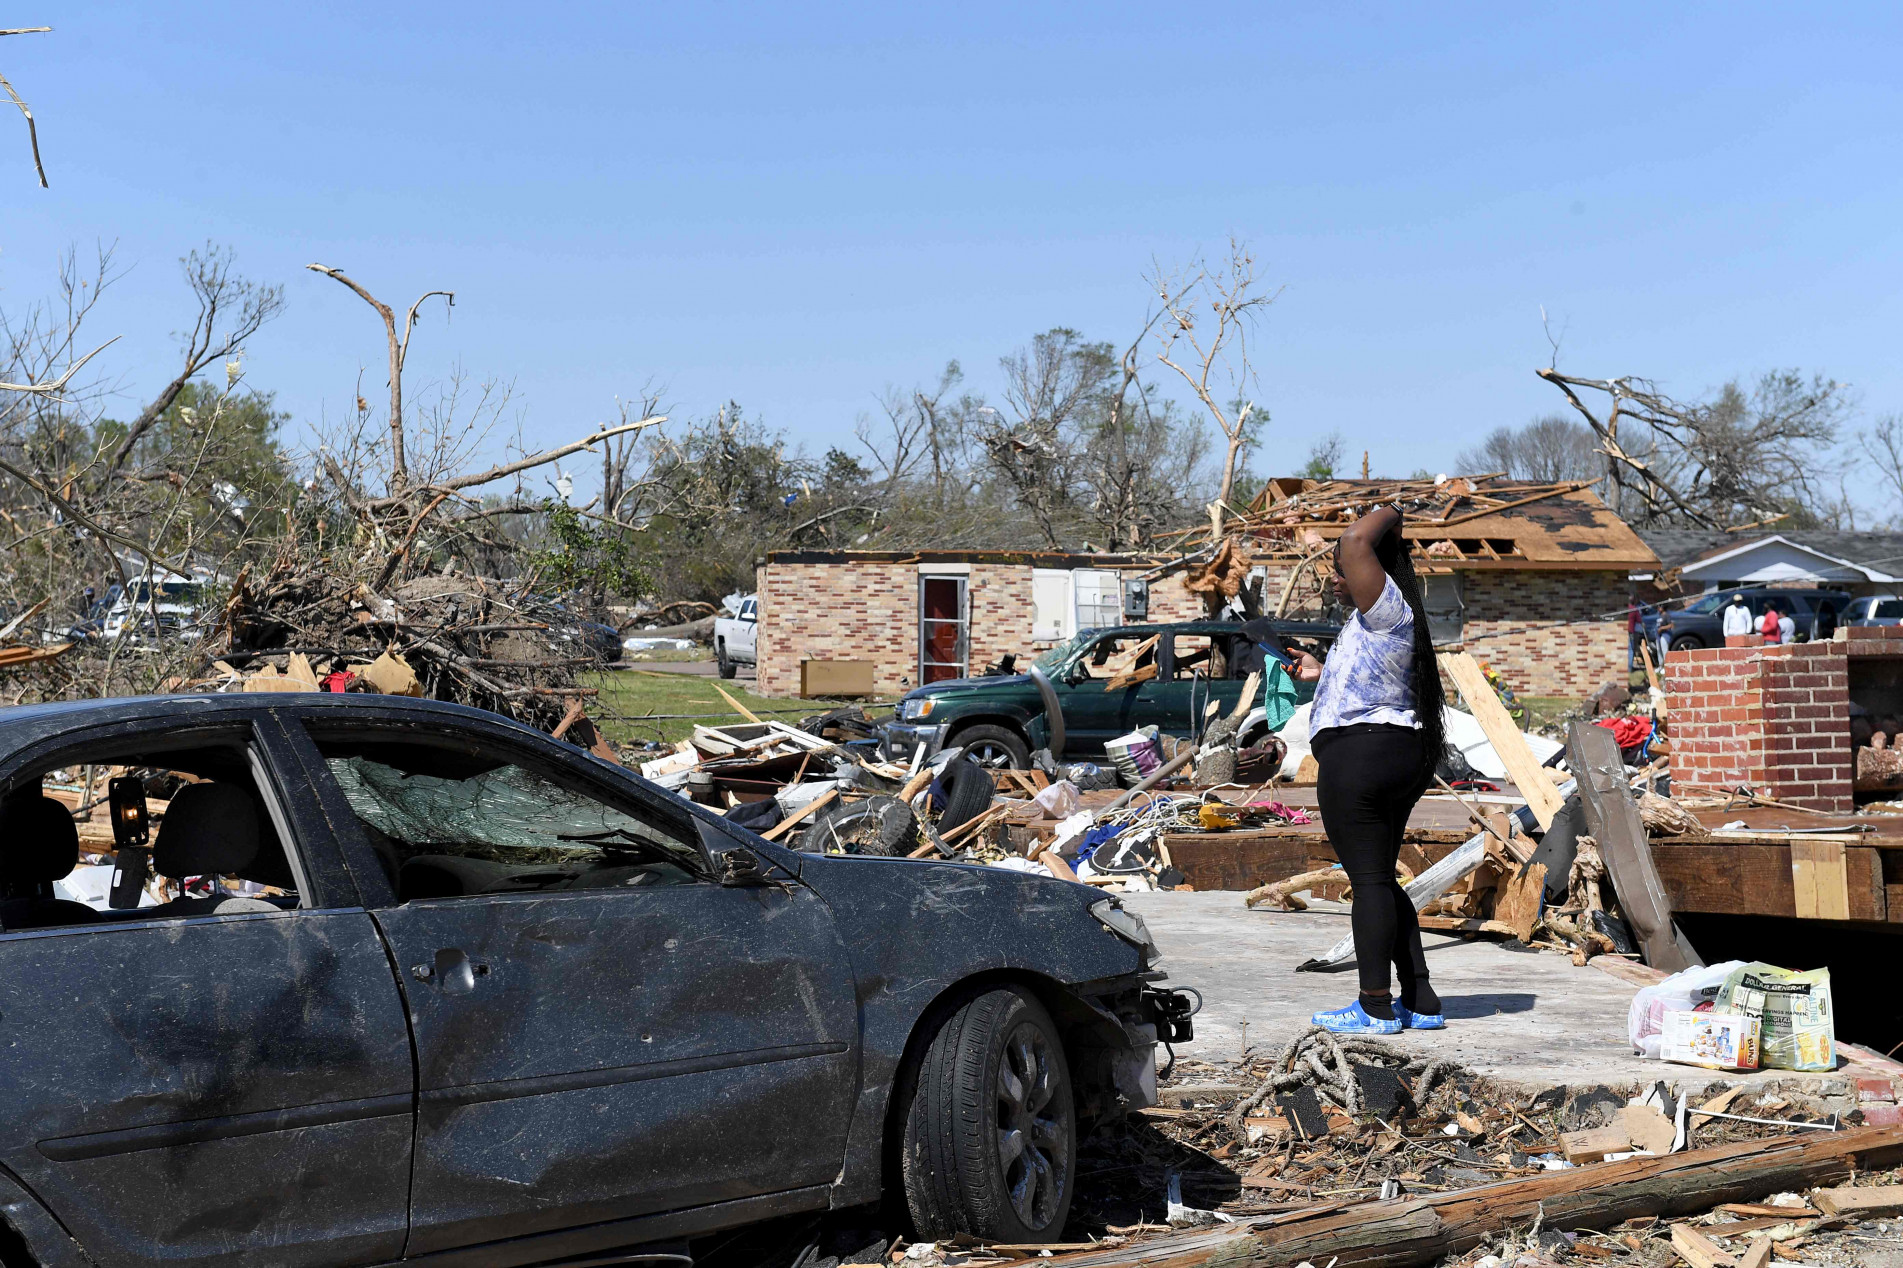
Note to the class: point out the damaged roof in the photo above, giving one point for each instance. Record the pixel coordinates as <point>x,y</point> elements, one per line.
<point>1468,522</point>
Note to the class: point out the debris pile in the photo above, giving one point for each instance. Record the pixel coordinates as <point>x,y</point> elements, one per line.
<point>469,640</point>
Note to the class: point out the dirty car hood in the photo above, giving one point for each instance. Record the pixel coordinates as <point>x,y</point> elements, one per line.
<point>961,918</point>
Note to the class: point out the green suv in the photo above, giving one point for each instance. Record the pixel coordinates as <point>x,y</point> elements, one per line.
<point>1002,718</point>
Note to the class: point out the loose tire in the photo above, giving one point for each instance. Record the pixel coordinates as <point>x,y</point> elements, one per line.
<point>877,825</point>
<point>968,789</point>
<point>726,667</point>
<point>990,1134</point>
<point>994,746</point>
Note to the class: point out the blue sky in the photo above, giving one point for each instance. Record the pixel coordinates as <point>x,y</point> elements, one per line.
<point>794,206</point>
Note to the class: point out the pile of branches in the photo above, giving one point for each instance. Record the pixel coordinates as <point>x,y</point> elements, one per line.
<point>469,640</point>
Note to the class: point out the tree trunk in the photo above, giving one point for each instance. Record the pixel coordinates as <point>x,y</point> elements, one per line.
<point>1411,1231</point>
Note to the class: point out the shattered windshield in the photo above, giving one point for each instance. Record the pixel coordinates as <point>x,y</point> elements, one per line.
<point>1055,658</point>
<point>509,816</point>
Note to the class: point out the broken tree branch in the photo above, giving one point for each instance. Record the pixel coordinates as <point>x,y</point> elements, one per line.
<point>399,352</point>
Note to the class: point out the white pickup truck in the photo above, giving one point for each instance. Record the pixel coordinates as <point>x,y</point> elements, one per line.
<point>735,636</point>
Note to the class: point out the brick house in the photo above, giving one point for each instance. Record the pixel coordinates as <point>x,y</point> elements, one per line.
<point>1536,590</point>
<point>1536,587</point>
<point>921,616</point>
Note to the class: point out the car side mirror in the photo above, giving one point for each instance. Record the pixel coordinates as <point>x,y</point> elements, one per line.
<point>740,869</point>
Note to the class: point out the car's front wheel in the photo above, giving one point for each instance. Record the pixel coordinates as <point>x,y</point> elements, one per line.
<point>721,663</point>
<point>1687,643</point>
<point>995,747</point>
<point>990,1135</point>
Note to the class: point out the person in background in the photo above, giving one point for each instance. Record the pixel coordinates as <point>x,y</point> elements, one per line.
<point>1824,627</point>
<point>1378,732</point>
<point>1767,624</point>
<point>1737,618</point>
<point>1634,624</point>
<point>1786,626</point>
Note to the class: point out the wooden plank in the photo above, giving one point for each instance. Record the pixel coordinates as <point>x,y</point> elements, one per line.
<point>1612,817</point>
<point>1876,1199</point>
<point>738,708</point>
<point>1819,880</point>
<point>1522,767</point>
<point>1761,880</point>
<point>1699,1250</point>
<point>805,812</point>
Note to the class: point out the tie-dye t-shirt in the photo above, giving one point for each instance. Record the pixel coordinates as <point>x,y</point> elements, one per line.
<point>1369,674</point>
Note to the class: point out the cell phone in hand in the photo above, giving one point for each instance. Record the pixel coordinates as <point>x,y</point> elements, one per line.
<point>1279,655</point>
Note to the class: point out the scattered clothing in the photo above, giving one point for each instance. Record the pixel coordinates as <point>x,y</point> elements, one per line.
<point>1628,732</point>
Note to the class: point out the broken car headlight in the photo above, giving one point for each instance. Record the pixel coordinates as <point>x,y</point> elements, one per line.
<point>1129,926</point>
<point>913,710</point>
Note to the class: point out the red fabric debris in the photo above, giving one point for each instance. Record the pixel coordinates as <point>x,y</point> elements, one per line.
<point>1628,732</point>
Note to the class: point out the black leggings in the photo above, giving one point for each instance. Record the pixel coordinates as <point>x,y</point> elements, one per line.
<point>1368,784</point>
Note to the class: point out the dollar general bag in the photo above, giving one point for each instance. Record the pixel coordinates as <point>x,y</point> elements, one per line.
<point>1795,1027</point>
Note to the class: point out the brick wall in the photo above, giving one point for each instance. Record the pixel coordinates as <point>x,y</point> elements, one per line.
<point>1774,718</point>
<point>850,611</point>
<point>1546,633</point>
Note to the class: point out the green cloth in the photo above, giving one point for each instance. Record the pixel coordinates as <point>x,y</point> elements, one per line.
<point>1282,695</point>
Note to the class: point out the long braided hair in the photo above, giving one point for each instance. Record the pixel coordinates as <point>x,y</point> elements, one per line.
<point>1429,700</point>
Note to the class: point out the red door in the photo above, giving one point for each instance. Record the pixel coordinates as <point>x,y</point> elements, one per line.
<point>942,644</point>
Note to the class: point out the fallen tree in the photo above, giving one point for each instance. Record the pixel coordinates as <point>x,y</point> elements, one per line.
<point>1423,1230</point>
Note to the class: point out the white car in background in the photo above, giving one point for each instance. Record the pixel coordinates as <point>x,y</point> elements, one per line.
<point>1874,609</point>
<point>737,636</point>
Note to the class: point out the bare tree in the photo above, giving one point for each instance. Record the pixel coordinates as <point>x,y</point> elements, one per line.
<point>1737,459</point>
<point>1882,444</point>
<point>32,129</point>
<point>399,346</point>
<point>1551,449</point>
<point>1216,366</point>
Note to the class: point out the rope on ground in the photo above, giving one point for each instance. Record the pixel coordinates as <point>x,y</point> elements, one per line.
<point>1319,1058</point>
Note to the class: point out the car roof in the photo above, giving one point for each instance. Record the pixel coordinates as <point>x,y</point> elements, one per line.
<point>26,723</point>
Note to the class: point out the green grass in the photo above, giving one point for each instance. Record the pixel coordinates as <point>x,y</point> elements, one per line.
<point>628,695</point>
<point>1542,710</point>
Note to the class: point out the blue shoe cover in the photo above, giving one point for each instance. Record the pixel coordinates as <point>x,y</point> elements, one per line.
<point>1411,1020</point>
<point>1354,1020</point>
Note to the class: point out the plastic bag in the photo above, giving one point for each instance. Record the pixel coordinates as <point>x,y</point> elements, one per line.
<point>1059,800</point>
<point>1136,754</point>
<point>1796,1030</point>
<point>1684,992</point>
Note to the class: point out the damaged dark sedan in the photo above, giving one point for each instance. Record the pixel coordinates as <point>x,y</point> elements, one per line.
<point>362,980</point>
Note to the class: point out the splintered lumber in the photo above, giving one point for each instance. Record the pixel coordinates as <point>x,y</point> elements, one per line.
<point>1123,668</point>
<point>738,708</point>
<point>1698,1250</point>
<point>805,812</point>
<point>1612,817</point>
<point>1878,1199</point>
<point>1422,1230</point>
<point>1522,767</point>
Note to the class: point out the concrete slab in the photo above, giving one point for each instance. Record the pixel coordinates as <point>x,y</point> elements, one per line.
<point>1513,1013</point>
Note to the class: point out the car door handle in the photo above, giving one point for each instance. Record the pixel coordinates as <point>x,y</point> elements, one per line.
<point>453,972</point>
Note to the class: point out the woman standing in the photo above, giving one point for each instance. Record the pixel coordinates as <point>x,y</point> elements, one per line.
<point>1377,733</point>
